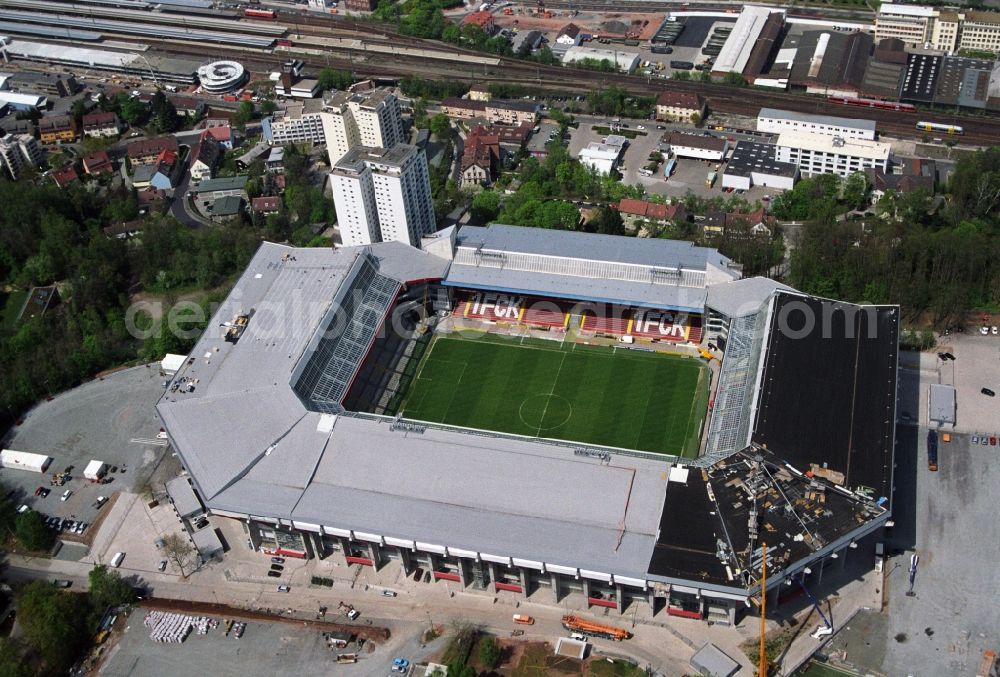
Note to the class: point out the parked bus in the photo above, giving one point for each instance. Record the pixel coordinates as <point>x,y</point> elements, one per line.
<point>669,168</point>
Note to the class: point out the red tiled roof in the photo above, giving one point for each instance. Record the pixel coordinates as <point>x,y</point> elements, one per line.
<point>222,133</point>
<point>481,19</point>
<point>266,204</point>
<point>65,176</point>
<point>143,147</point>
<point>97,162</point>
<point>676,99</point>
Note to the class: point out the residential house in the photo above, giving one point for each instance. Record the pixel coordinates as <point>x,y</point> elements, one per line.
<point>223,134</point>
<point>56,129</point>
<point>634,212</point>
<point>479,92</point>
<point>98,162</point>
<point>226,208</point>
<point>266,205</point>
<point>210,190</point>
<point>204,158</point>
<point>101,124</point>
<point>360,5</point>
<point>760,223</point>
<point>151,200</point>
<point>18,153</point>
<point>569,35</point>
<point>186,105</point>
<point>146,151</point>
<point>167,171</point>
<point>480,158</point>
<point>674,105</point>
<point>916,173</point>
<point>275,162</point>
<point>483,19</point>
<point>124,231</point>
<point>525,42</point>
<point>65,176</point>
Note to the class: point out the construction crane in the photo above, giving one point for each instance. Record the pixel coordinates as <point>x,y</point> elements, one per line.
<point>762,665</point>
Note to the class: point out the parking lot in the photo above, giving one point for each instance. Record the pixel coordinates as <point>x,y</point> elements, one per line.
<point>109,419</point>
<point>689,174</point>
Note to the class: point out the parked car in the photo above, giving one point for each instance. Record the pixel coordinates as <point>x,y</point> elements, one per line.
<point>417,574</point>
<point>277,567</point>
<point>61,583</point>
<point>427,577</point>
<point>38,491</point>
<point>278,560</point>
<point>23,508</point>
<point>163,565</point>
<point>388,593</point>
<point>284,588</point>
<point>988,392</point>
<point>45,492</point>
<point>353,614</point>
<point>101,500</point>
<point>274,574</point>
<point>66,494</point>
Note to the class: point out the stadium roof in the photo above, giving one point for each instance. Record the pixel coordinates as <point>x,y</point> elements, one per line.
<point>741,297</point>
<point>842,417</point>
<point>645,254</point>
<point>252,447</point>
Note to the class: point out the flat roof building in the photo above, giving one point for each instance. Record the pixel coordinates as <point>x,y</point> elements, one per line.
<point>776,121</point>
<point>625,62</point>
<point>698,146</point>
<point>736,51</point>
<point>822,154</point>
<point>754,163</point>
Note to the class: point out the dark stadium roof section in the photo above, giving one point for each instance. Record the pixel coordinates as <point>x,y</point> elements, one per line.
<point>731,508</point>
<point>651,273</point>
<point>842,418</point>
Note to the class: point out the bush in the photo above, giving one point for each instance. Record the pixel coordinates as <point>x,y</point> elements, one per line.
<point>32,531</point>
<point>489,652</point>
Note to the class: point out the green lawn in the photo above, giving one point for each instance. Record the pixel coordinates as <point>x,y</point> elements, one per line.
<point>604,396</point>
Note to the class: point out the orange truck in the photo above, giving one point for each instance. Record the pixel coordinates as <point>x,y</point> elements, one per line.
<point>523,619</point>
<point>592,629</point>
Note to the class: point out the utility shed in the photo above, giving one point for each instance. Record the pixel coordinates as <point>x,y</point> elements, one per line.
<point>22,460</point>
<point>208,543</point>
<point>186,502</point>
<point>941,407</point>
<point>712,662</point>
<point>171,364</point>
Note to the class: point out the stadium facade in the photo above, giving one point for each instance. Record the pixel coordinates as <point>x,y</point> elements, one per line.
<point>278,419</point>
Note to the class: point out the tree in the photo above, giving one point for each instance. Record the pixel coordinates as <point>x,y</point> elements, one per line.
<point>331,78</point>
<point>11,662</point>
<point>32,531</point>
<point>243,115</point>
<point>131,110</point>
<point>440,126</point>
<point>178,550</point>
<point>460,669</point>
<point>486,206</point>
<point>165,118</point>
<point>489,652</point>
<point>854,190</point>
<point>268,107</point>
<point>695,118</point>
<point>608,221</point>
<point>53,622</point>
<point>108,588</point>
<point>79,109</point>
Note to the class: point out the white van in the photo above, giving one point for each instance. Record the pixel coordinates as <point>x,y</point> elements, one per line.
<point>116,561</point>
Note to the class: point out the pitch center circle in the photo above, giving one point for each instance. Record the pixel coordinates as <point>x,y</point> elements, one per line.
<point>545,411</point>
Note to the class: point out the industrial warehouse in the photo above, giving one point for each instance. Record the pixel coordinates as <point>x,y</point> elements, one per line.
<point>291,415</point>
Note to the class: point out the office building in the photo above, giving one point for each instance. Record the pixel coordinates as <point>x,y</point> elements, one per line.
<point>776,121</point>
<point>822,154</point>
<point>941,28</point>
<point>383,194</point>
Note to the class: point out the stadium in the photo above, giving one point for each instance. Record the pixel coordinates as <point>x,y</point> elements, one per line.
<point>543,413</point>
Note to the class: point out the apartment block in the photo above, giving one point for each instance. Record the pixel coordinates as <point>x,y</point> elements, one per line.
<point>368,118</point>
<point>383,194</point>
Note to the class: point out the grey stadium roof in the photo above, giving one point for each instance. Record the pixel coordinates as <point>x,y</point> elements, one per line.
<point>253,448</point>
<point>742,297</point>
<point>654,253</point>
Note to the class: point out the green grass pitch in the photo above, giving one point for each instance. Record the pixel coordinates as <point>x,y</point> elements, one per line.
<point>596,395</point>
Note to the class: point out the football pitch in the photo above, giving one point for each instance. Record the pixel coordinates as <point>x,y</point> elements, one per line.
<point>592,394</point>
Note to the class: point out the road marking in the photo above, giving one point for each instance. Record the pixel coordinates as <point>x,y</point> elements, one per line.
<point>143,440</point>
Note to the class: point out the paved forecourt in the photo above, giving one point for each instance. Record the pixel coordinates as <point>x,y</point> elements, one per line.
<point>605,396</point>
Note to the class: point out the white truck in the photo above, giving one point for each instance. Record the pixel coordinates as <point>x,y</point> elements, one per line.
<point>95,470</point>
